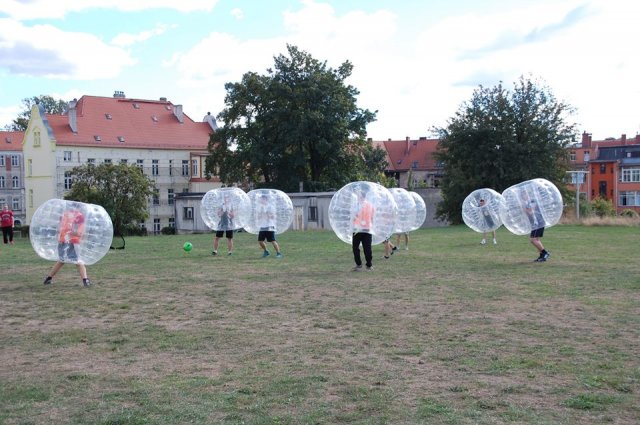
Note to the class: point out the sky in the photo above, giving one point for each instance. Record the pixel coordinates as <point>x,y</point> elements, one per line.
<point>416,62</point>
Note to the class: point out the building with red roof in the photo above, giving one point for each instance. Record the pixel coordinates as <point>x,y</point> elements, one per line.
<point>156,135</point>
<point>412,162</point>
<point>12,174</point>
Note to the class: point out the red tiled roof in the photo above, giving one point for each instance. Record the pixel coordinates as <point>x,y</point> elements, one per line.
<point>140,123</point>
<point>403,154</point>
<point>11,140</point>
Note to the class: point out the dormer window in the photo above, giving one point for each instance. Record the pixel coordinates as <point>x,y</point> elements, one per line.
<point>136,105</point>
<point>121,139</point>
<point>97,138</point>
<point>154,118</point>
<point>167,107</point>
<point>108,116</point>
<point>8,139</point>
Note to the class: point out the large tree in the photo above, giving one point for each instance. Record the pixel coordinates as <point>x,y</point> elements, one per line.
<point>500,138</point>
<point>121,189</point>
<point>298,123</point>
<point>51,106</point>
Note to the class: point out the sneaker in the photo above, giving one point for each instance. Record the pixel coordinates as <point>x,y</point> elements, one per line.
<point>48,280</point>
<point>265,254</point>
<point>369,268</point>
<point>495,242</point>
<point>279,255</point>
<point>86,282</point>
<point>406,248</point>
<point>214,253</point>
<point>230,253</point>
<point>482,242</point>
<point>385,257</point>
<point>394,249</point>
<point>546,255</point>
<point>357,269</point>
<point>540,260</point>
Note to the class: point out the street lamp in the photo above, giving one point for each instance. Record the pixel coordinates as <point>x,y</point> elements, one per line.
<point>579,177</point>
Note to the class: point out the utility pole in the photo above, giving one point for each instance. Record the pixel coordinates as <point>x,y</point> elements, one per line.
<point>579,177</point>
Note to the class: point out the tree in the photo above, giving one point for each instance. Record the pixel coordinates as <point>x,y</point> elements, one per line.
<point>121,189</point>
<point>51,106</point>
<point>298,123</point>
<point>501,138</point>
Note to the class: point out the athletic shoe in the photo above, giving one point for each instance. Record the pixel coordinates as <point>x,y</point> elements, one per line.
<point>482,242</point>
<point>86,282</point>
<point>369,268</point>
<point>279,255</point>
<point>357,269</point>
<point>385,257</point>
<point>265,254</point>
<point>230,253</point>
<point>214,253</point>
<point>495,242</point>
<point>394,249</point>
<point>540,260</point>
<point>406,248</point>
<point>48,280</point>
<point>546,255</point>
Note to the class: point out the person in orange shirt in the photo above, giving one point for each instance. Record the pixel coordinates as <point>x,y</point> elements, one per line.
<point>70,233</point>
<point>362,224</point>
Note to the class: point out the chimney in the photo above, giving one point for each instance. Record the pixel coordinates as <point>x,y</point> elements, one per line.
<point>72,112</point>
<point>586,139</point>
<point>408,139</point>
<point>163,99</point>
<point>177,111</point>
<point>210,119</point>
<point>118,94</point>
<point>623,139</point>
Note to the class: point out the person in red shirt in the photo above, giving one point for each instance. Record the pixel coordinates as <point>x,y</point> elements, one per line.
<point>6,222</point>
<point>70,233</point>
<point>362,224</point>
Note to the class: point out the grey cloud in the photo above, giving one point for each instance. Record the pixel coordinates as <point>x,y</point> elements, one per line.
<point>25,59</point>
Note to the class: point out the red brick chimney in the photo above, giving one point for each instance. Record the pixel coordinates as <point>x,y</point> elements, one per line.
<point>586,139</point>
<point>623,139</point>
<point>408,139</point>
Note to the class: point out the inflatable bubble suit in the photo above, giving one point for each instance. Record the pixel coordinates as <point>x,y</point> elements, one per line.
<point>227,208</point>
<point>271,209</point>
<point>420,211</point>
<point>57,224</point>
<point>406,210</point>
<point>481,210</point>
<point>347,204</point>
<point>531,205</point>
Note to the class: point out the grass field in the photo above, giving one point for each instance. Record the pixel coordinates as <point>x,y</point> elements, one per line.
<point>448,332</point>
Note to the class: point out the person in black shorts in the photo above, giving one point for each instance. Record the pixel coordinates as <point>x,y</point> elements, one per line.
<point>225,226</point>
<point>536,219</point>
<point>266,219</point>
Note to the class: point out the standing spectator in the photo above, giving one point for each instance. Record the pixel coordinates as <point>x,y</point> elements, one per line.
<point>6,221</point>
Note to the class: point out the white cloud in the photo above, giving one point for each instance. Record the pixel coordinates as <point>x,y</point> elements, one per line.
<point>237,13</point>
<point>125,40</point>
<point>46,51</point>
<point>36,9</point>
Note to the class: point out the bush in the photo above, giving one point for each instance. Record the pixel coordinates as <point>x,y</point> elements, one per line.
<point>168,230</point>
<point>629,213</point>
<point>603,207</point>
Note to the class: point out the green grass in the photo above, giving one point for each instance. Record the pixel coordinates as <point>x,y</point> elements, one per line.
<point>449,332</point>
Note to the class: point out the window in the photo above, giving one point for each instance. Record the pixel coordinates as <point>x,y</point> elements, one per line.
<point>586,156</point>
<point>36,139</point>
<point>140,164</point>
<point>603,168</point>
<point>156,226</point>
<point>15,204</point>
<point>30,198</point>
<point>124,161</point>
<point>629,199</point>
<point>188,213</point>
<point>108,161</point>
<point>67,180</point>
<point>15,160</point>
<point>156,199</point>
<point>185,167</point>
<point>3,201</point>
<point>572,156</point>
<point>313,213</point>
<point>1,160</point>
<point>67,156</point>
<point>91,161</point>
<point>155,167</point>
<point>2,184</point>
<point>172,222</point>
<point>171,167</point>
<point>30,167</point>
<point>629,175</point>
<point>170,196</point>
<point>414,164</point>
<point>194,167</point>
<point>15,182</point>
